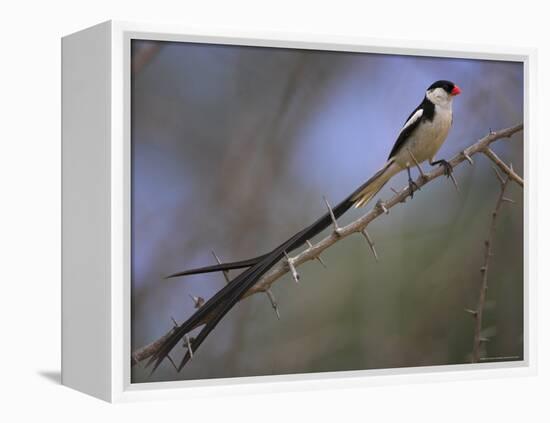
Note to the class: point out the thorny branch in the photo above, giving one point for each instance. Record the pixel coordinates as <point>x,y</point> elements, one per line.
<point>313,252</point>
<point>478,312</point>
<point>509,170</point>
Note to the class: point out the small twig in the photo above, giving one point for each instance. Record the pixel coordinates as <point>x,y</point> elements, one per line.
<point>174,322</point>
<point>467,157</point>
<point>382,207</point>
<point>225,272</point>
<point>396,193</point>
<point>318,258</point>
<point>293,271</point>
<point>334,222</point>
<point>273,302</point>
<point>478,313</point>
<point>454,181</point>
<point>168,355</point>
<point>499,176</point>
<point>370,242</point>
<point>188,345</point>
<point>198,301</point>
<point>509,170</point>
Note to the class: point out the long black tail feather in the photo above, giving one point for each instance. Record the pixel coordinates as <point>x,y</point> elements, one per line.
<point>219,267</point>
<point>220,304</point>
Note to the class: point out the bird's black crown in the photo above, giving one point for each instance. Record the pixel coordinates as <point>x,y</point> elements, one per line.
<point>446,85</point>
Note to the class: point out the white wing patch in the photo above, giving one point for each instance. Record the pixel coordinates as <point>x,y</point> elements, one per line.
<point>412,120</point>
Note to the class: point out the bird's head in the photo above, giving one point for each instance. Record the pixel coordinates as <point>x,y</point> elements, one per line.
<point>442,92</point>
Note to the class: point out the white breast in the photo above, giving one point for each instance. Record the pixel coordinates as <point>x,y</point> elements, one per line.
<point>427,139</point>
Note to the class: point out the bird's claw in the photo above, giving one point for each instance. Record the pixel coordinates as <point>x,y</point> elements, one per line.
<point>447,168</point>
<point>413,186</point>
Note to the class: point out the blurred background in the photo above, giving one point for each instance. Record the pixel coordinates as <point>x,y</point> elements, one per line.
<point>233,149</point>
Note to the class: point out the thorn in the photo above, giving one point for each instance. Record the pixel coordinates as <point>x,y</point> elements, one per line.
<point>467,157</point>
<point>371,244</point>
<point>171,361</point>
<point>334,222</point>
<point>454,182</point>
<point>422,174</point>
<point>472,312</point>
<point>508,200</point>
<point>380,204</point>
<point>483,269</point>
<point>174,322</point>
<point>293,271</point>
<point>188,345</point>
<point>481,339</point>
<point>199,301</point>
<point>397,193</point>
<point>491,132</point>
<point>499,176</point>
<point>318,258</point>
<point>225,272</point>
<point>273,302</point>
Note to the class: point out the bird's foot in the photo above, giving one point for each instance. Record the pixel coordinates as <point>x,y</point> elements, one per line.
<point>447,168</point>
<point>413,186</point>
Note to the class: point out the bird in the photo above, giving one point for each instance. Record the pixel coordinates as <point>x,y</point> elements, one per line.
<point>420,138</point>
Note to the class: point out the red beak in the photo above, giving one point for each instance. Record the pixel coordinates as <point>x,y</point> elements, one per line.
<point>456,90</point>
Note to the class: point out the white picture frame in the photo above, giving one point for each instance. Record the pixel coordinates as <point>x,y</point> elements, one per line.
<point>96,213</point>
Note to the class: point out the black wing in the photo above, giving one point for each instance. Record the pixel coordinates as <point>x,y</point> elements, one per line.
<point>427,108</point>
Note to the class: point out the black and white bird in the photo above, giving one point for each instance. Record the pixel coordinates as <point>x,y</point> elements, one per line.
<point>419,140</point>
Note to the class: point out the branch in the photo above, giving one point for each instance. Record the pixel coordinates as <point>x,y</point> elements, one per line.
<point>508,170</point>
<point>313,252</point>
<point>148,350</point>
<point>360,224</point>
<point>478,313</point>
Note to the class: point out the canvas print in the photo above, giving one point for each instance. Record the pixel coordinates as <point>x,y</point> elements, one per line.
<point>301,211</point>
